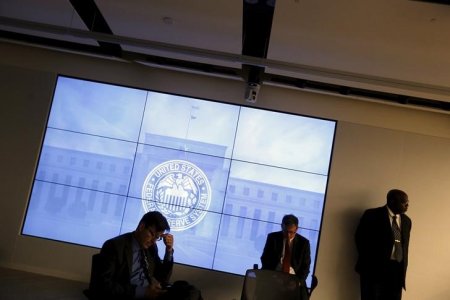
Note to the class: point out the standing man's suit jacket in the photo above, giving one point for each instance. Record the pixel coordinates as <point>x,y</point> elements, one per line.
<point>374,241</point>
<point>113,268</point>
<point>300,259</point>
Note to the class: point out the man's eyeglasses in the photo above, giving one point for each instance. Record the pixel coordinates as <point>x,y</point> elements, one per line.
<point>156,237</point>
<point>289,230</point>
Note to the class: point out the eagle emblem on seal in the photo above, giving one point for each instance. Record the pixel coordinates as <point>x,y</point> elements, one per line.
<point>178,189</point>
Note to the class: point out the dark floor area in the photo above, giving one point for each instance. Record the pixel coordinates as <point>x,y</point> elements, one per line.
<point>16,284</point>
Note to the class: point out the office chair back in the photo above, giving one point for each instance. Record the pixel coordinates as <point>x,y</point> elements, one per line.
<point>271,285</point>
<point>314,283</point>
<point>95,267</point>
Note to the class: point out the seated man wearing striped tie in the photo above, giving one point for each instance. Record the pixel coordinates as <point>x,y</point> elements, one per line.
<point>130,267</point>
<point>288,251</point>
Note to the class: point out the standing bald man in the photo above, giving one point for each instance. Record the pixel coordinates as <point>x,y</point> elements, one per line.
<point>382,240</point>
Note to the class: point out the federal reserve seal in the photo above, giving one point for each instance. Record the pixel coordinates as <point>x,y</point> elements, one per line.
<point>180,191</point>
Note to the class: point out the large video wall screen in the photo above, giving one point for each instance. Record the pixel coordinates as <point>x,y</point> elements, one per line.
<point>224,175</point>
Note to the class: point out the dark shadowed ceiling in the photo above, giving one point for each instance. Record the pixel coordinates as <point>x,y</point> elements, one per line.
<point>396,51</point>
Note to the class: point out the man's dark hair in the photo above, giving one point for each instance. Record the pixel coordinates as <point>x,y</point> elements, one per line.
<point>289,220</point>
<point>156,219</point>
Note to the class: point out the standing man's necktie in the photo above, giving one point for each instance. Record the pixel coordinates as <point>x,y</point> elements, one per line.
<point>287,257</point>
<point>398,251</point>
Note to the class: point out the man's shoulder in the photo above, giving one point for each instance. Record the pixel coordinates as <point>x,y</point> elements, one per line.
<point>376,210</point>
<point>406,219</point>
<point>275,234</point>
<point>301,238</point>
<point>120,239</point>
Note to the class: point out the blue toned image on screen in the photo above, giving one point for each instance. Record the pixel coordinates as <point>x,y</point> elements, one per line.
<point>223,175</point>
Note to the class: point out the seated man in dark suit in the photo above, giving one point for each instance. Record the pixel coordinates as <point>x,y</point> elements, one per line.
<point>288,251</point>
<point>129,266</point>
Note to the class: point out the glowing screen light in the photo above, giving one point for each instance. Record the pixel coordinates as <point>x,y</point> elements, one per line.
<point>223,175</point>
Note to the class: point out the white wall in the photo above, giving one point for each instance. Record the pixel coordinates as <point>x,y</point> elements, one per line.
<point>377,147</point>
